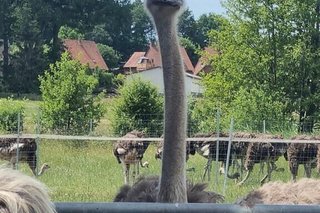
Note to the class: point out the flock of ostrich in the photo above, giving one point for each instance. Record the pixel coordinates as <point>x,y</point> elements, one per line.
<point>172,185</point>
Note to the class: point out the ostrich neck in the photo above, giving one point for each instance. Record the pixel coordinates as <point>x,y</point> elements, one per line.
<point>42,170</point>
<point>173,179</point>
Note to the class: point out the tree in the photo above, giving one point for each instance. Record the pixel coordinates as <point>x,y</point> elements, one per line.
<point>66,32</point>
<point>205,24</point>
<point>138,107</point>
<point>191,49</point>
<point>68,103</point>
<point>270,46</point>
<point>110,56</point>
<point>28,60</point>
<point>6,22</point>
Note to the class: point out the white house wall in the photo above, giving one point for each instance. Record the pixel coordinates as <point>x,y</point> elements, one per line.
<point>156,78</point>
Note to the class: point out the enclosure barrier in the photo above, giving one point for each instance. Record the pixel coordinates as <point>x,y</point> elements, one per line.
<point>62,207</point>
<point>104,138</point>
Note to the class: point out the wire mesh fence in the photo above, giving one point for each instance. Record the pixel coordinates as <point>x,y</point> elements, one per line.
<point>85,167</point>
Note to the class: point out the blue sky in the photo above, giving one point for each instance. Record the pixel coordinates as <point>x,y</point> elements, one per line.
<point>199,7</point>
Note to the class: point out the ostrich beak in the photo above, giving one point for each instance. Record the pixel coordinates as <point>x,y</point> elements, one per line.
<point>170,3</point>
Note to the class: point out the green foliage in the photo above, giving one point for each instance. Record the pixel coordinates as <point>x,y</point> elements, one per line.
<point>9,112</point>
<point>119,80</point>
<point>110,56</point>
<point>66,32</point>
<point>251,107</point>
<point>28,60</point>
<point>105,80</point>
<point>139,107</point>
<point>270,46</point>
<point>191,49</point>
<point>68,104</point>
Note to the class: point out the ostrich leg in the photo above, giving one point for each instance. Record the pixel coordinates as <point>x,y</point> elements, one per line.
<point>307,169</point>
<point>207,169</point>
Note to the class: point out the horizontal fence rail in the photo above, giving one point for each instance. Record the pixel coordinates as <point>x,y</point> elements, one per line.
<point>62,207</point>
<point>103,138</point>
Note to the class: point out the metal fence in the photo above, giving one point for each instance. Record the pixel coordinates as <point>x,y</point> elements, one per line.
<point>188,208</point>
<point>83,167</point>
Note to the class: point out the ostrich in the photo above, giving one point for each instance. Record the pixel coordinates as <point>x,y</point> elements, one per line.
<point>131,152</point>
<point>263,152</point>
<point>208,149</point>
<point>172,185</point>
<point>27,153</point>
<point>195,192</point>
<point>190,150</point>
<point>22,193</point>
<point>304,191</point>
<point>301,153</point>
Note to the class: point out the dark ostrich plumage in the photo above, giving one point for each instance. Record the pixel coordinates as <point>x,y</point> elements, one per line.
<point>130,152</point>
<point>27,152</point>
<point>263,152</point>
<point>146,189</point>
<point>190,150</point>
<point>302,153</point>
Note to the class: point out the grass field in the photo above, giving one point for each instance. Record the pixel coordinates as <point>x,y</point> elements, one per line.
<point>86,171</point>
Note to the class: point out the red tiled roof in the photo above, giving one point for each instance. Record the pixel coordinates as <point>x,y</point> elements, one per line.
<point>186,60</point>
<point>204,60</point>
<point>86,52</point>
<point>153,54</point>
<point>133,60</point>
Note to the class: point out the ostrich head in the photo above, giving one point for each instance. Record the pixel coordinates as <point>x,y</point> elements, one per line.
<point>164,9</point>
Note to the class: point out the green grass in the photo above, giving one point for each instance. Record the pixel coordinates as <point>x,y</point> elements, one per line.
<point>88,172</point>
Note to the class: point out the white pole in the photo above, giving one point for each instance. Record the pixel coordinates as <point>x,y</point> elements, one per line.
<point>228,157</point>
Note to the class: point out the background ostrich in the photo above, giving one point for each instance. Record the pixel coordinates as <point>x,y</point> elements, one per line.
<point>131,152</point>
<point>263,152</point>
<point>301,153</point>
<point>208,149</point>
<point>190,149</point>
<point>304,191</point>
<point>27,153</point>
<point>172,186</point>
<point>23,194</point>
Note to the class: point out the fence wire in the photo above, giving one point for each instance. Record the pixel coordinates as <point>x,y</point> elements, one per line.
<point>83,168</point>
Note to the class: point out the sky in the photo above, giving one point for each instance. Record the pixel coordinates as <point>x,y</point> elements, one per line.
<point>199,7</point>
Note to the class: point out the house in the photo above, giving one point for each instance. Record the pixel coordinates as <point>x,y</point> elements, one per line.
<point>155,77</point>
<point>204,63</point>
<point>141,61</point>
<point>86,52</point>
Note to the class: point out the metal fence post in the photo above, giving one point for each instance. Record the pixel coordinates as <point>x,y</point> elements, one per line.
<point>38,141</point>
<point>264,126</point>
<point>217,149</point>
<point>91,127</point>
<point>228,157</point>
<point>18,139</point>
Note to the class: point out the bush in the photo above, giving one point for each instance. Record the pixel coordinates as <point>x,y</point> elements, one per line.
<point>105,80</point>
<point>138,106</point>
<point>9,112</point>
<point>68,103</point>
